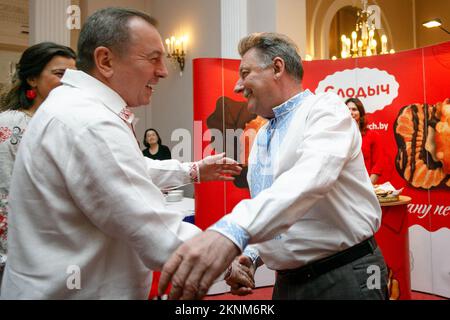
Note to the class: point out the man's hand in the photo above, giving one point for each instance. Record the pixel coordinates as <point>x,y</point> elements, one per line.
<point>241,277</point>
<point>194,266</point>
<point>218,167</point>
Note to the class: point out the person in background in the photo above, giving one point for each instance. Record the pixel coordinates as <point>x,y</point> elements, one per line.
<point>154,148</point>
<point>372,150</point>
<point>40,70</point>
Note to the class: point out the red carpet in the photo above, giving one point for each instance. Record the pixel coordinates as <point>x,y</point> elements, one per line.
<point>266,294</point>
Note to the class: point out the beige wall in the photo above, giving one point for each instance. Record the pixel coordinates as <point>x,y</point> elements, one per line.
<point>13,17</point>
<point>261,17</point>
<point>8,59</point>
<point>172,105</point>
<point>75,33</point>
<point>398,16</point>
<point>425,11</point>
<point>291,18</point>
<point>398,21</point>
<point>284,16</point>
<point>89,6</point>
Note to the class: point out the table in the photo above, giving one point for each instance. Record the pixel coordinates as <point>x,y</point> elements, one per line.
<point>185,206</point>
<point>393,239</point>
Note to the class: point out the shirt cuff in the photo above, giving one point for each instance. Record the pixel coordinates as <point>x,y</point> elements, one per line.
<point>194,172</point>
<point>252,253</point>
<point>232,231</point>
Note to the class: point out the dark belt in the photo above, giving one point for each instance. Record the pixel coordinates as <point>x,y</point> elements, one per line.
<point>319,267</point>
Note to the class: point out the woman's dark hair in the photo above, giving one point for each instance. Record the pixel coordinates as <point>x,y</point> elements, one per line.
<point>33,61</point>
<point>145,137</point>
<point>362,114</point>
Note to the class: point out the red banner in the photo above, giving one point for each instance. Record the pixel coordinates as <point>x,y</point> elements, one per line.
<point>218,108</point>
<point>398,91</point>
<point>406,97</point>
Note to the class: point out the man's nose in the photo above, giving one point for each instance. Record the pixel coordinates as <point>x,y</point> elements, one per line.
<point>238,88</point>
<point>162,71</point>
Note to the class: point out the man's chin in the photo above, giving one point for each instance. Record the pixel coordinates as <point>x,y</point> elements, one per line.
<point>143,103</point>
<point>251,109</point>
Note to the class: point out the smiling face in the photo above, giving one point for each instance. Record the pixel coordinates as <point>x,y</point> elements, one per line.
<point>140,67</point>
<point>354,111</point>
<point>51,75</point>
<point>258,84</point>
<point>151,137</point>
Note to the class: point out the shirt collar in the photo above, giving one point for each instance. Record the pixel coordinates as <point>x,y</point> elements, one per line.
<point>99,91</point>
<point>290,105</point>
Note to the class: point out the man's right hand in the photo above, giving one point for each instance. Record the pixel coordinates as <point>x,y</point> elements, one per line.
<point>194,266</point>
<point>240,276</point>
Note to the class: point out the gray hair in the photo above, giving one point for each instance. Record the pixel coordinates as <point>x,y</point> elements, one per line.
<point>109,28</point>
<point>271,45</point>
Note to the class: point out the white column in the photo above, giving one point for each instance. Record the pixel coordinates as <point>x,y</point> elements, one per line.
<point>240,17</point>
<point>48,21</point>
<point>262,15</point>
<point>233,26</point>
<point>291,20</point>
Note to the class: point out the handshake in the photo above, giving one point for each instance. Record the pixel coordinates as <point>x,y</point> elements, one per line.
<point>240,276</point>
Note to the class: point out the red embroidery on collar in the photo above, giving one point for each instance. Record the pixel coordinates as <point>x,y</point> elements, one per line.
<point>126,115</point>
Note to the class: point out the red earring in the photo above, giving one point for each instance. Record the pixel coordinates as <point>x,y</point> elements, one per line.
<point>30,94</point>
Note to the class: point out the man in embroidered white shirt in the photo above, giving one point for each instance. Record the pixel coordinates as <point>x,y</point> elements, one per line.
<point>313,212</point>
<point>88,219</point>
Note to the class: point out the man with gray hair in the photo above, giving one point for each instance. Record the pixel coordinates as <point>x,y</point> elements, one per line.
<point>88,219</point>
<point>313,211</point>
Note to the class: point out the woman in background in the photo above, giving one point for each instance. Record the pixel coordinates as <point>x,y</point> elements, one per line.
<point>154,148</point>
<point>39,71</point>
<point>371,144</point>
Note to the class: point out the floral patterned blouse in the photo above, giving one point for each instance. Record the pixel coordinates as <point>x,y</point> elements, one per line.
<point>12,126</point>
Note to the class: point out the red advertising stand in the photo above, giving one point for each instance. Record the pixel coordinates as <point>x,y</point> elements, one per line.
<point>393,239</point>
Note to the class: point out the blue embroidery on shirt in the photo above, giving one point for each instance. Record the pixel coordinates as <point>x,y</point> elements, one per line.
<point>252,253</point>
<point>269,142</point>
<point>233,231</point>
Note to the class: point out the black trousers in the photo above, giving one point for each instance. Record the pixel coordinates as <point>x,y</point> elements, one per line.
<point>363,279</point>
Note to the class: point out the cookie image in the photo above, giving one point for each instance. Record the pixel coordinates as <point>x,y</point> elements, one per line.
<point>231,114</point>
<point>248,136</point>
<point>421,136</point>
<point>443,135</point>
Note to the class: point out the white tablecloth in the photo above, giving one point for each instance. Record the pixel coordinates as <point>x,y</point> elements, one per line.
<point>186,206</point>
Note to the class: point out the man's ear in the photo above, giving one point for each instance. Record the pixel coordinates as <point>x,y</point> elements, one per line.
<point>278,66</point>
<point>103,58</point>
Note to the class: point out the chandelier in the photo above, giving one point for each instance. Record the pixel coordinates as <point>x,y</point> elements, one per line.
<point>362,42</point>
